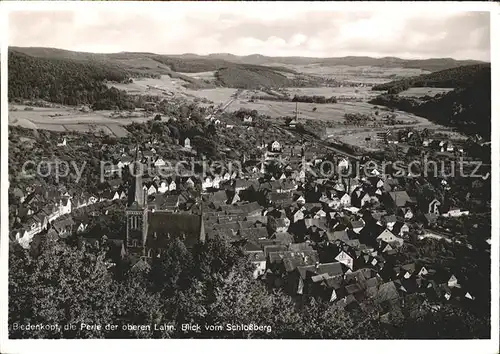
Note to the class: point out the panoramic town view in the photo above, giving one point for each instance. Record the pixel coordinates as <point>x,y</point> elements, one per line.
<point>249,175</point>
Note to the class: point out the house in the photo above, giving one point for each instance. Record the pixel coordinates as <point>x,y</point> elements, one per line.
<point>430,219</point>
<point>423,272</point>
<point>453,282</point>
<point>24,238</point>
<point>256,257</point>
<point>242,184</point>
<point>337,236</point>
<point>389,220</point>
<point>251,209</point>
<point>62,142</point>
<point>159,162</point>
<point>408,214</point>
<point>399,198</point>
<point>187,143</point>
<point>275,146</point>
<point>298,215</point>
<point>345,259</point>
<point>400,228</point>
<point>343,164</point>
<point>63,227</point>
<point>65,206</point>
<point>345,200</point>
<point>388,237</point>
<point>279,225</point>
<point>207,183</point>
<point>216,182</point>
<point>455,212</point>
<point>408,270</point>
<point>82,227</point>
<point>163,187</point>
<point>248,119</point>
<point>357,225</point>
<point>152,190</point>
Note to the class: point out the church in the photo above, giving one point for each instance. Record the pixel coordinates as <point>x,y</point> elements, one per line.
<point>149,231</point>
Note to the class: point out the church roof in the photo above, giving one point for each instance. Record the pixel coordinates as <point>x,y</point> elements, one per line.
<point>161,225</point>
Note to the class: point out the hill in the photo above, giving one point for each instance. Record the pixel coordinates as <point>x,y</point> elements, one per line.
<point>64,81</point>
<point>229,74</point>
<point>251,77</point>
<point>462,76</point>
<point>468,107</point>
<point>433,64</point>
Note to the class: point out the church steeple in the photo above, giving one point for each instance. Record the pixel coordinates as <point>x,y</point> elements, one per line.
<point>136,192</point>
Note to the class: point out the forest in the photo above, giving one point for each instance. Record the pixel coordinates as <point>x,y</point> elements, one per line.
<point>466,108</point>
<point>459,77</point>
<point>210,284</point>
<point>66,81</point>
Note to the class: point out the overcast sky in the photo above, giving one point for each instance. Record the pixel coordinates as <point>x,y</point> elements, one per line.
<point>263,29</point>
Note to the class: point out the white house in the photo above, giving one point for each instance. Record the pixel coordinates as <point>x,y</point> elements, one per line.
<point>62,143</point>
<point>389,237</point>
<point>345,259</point>
<point>172,186</point>
<point>320,214</point>
<point>207,183</point>
<point>259,261</point>
<point>25,239</point>
<point>152,190</point>
<point>454,213</point>
<point>159,162</point>
<point>65,206</point>
<point>343,164</point>
<point>187,143</point>
<point>216,182</point>
<point>423,271</point>
<point>298,215</point>
<point>345,200</point>
<point>275,146</point>
<point>453,282</point>
<point>163,187</point>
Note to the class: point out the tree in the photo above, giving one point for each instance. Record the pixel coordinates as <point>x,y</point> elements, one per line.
<point>170,271</point>
<point>63,285</point>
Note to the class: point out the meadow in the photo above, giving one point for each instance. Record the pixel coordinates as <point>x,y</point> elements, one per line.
<point>68,119</point>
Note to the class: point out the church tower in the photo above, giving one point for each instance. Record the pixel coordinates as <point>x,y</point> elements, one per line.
<point>136,213</point>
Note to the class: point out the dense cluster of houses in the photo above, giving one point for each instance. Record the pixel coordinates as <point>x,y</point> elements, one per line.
<point>333,238</point>
<point>40,209</point>
<point>324,248</point>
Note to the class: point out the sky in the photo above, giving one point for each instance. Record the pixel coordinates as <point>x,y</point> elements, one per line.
<point>288,30</point>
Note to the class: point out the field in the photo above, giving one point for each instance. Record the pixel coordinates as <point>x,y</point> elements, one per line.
<point>423,91</point>
<point>68,119</point>
<point>345,92</point>
<point>205,75</point>
<point>356,74</point>
<point>169,87</point>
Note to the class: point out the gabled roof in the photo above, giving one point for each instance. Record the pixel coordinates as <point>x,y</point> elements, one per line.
<point>337,235</point>
<point>283,238</point>
<point>400,198</point>
<point>357,223</point>
<point>410,267</point>
<point>386,292</point>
